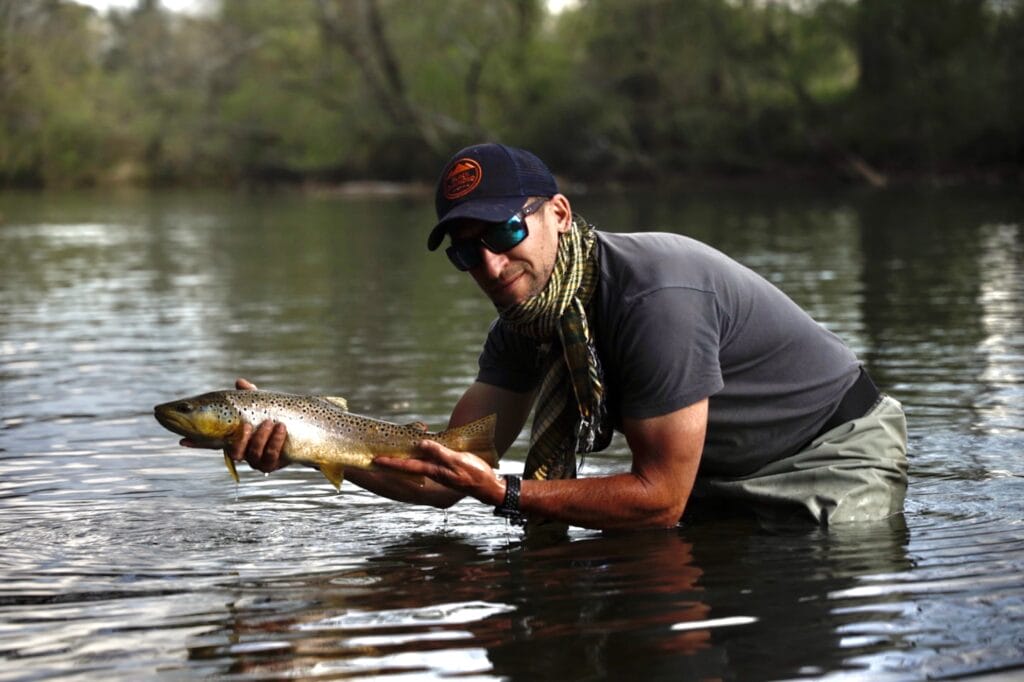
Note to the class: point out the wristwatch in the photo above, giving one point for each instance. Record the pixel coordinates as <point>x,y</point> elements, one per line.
<point>509,507</point>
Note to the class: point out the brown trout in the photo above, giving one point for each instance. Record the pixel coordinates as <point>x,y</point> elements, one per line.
<point>321,431</point>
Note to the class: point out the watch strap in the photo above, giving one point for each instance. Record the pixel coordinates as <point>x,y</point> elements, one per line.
<point>509,507</point>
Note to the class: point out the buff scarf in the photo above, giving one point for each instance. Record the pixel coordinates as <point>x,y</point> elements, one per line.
<point>562,426</point>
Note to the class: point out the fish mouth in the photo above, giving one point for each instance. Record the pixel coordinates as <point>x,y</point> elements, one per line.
<point>182,418</point>
<point>173,421</point>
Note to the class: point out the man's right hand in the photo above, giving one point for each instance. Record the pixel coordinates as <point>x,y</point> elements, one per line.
<point>260,447</point>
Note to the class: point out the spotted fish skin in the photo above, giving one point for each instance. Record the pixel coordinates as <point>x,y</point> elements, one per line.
<point>321,431</point>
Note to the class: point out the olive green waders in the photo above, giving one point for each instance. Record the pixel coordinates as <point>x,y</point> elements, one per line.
<point>854,472</point>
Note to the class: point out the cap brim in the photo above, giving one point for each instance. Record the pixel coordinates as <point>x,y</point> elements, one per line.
<point>491,210</point>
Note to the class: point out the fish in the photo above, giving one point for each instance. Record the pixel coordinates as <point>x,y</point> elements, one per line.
<point>322,433</point>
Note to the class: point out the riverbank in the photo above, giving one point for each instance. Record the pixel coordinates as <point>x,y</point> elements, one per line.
<point>782,178</point>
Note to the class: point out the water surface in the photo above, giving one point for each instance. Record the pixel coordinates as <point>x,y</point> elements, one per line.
<point>127,557</point>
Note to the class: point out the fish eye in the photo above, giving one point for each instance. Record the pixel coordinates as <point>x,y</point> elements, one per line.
<point>183,407</point>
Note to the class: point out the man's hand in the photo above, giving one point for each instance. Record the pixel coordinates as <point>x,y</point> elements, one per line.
<point>666,455</point>
<point>460,471</point>
<point>260,447</point>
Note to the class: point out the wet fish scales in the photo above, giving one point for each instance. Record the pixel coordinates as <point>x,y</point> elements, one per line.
<point>321,431</point>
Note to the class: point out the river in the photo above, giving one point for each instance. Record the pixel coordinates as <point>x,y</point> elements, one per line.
<point>126,557</point>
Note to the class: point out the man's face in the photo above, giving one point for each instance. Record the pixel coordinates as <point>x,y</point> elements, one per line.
<point>523,271</point>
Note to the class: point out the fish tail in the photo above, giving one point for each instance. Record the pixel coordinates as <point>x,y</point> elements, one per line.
<point>476,437</point>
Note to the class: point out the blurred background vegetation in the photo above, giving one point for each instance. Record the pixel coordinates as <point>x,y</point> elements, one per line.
<point>324,91</point>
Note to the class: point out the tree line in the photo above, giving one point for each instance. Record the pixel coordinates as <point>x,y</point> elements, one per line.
<point>607,90</point>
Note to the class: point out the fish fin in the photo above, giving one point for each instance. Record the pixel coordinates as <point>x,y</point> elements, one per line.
<point>476,437</point>
<point>419,426</point>
<point>335,473</point>
<point>336,401</point>
<point>230,464</point>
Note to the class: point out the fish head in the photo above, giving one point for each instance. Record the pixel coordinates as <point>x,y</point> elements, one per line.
<point>208,420</point>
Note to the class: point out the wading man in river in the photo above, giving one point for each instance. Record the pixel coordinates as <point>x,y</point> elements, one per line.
<point>723,387</point>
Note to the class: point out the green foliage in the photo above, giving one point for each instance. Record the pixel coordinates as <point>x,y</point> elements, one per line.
<point>51,95</point>
<point>932,85</point>
<point>612,89</point>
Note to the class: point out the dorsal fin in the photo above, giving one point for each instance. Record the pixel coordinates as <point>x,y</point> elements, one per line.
<point>335,400</point>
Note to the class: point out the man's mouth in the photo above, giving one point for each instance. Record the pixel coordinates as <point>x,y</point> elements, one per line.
<point>502,285</point>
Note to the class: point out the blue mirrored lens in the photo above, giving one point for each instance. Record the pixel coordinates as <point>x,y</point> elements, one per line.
<point>501,238</point>
<point>465,254</point>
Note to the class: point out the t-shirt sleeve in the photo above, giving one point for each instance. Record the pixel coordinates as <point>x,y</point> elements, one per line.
<point>668,351</point>
<point>509,360</point>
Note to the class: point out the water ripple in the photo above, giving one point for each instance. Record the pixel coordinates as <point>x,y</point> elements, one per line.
<point>127,557</point>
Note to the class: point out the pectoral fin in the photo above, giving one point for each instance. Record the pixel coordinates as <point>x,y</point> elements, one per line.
<point>230,464</point>
<point>335,473</point>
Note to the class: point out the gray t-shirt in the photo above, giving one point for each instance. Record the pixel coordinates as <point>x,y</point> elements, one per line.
<point>676,321</point>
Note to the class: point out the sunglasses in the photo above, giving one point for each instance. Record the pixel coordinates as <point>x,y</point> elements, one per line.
<point>499,238</point>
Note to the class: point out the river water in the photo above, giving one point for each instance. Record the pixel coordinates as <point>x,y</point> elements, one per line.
<point>124,556</point>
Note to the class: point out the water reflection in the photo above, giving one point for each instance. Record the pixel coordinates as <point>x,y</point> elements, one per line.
<point>125,557</point>
<point>665,604</point>
<point>570,611</point>
<point>1002,318</point>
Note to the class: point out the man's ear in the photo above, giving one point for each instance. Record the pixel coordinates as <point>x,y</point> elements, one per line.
<point>562,211</point>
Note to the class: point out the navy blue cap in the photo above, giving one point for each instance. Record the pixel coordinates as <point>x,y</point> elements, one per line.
<point>488,182</point>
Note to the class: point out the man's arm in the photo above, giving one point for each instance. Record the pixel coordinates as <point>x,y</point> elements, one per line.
<point>481,400</point>
<point>666,455</point>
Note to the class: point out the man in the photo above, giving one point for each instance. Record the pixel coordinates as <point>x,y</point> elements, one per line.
<point>722,386</point>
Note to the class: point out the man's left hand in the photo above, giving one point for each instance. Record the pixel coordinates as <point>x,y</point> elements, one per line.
<point>461,471</point>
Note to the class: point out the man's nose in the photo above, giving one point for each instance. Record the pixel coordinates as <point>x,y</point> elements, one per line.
<point>492,263</point>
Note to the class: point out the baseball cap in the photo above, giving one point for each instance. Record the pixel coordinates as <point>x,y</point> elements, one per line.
<point>487,182</point>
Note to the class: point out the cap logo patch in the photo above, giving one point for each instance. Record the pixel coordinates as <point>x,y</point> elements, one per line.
<point>463,177</point>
